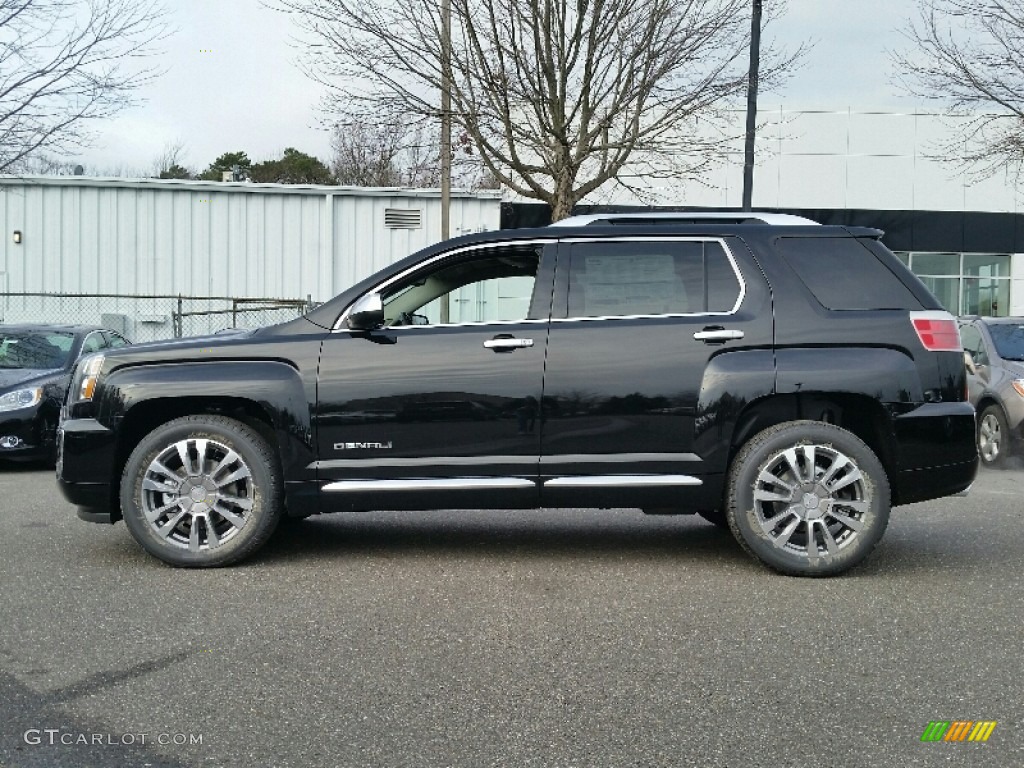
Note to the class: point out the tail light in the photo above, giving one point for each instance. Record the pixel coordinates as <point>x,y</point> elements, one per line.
<point>937,331</point>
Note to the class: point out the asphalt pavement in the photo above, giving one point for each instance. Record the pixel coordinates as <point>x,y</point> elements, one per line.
<point>552,638</point>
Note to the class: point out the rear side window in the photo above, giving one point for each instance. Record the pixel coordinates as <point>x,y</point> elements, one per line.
<point>650,278</point>
<point>843,274</point>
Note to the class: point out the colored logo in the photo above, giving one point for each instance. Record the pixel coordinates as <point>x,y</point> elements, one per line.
<point>958,730</point>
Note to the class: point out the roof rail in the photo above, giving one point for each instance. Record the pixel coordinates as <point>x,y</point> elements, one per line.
<point>686,217</point>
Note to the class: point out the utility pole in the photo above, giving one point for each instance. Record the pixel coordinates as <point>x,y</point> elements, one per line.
<point>446,118</point>
<point>755,64</point>
<point>446,132</point>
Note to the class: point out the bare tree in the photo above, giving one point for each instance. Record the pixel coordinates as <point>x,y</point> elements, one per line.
<point>555,97</point>
<point>401,155</point>
<point>66,63</point>
<point>969,56</point>
<point>368,155</point>
<point>169,164</point>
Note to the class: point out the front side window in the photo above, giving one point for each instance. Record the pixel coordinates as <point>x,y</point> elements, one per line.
<point>650,278</point>
<point>487,285</point>
<point>970,338</point>
<point>114,340</point>
<point>93,343</point>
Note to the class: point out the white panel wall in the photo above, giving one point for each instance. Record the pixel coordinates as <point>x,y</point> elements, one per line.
<point>207,239</point>
<point>155,237</point>
<point>844,159</point>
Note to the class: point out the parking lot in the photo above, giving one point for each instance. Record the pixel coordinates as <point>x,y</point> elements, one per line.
<point>542,638</point>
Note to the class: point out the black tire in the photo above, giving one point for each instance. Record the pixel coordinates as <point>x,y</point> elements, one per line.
<point>716,517</point>
<point>993,437</point>
<point>803,481</point>
<point>223,508</point>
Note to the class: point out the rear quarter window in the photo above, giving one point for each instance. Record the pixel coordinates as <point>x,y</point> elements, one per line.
<point>842,273</point>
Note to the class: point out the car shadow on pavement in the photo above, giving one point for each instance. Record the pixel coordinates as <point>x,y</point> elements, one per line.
<point>489,534</point>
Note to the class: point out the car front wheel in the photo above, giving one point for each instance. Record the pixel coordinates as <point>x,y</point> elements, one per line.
<point>992,436</point>
<point>807,498</point>
<point>202,491</point>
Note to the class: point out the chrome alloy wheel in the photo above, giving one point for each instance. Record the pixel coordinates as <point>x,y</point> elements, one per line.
<point>990,438</point>
<point>810,500</point>
<point>197,494</point>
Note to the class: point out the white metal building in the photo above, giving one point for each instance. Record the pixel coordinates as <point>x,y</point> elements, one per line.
<point>77,235</point>
<point>963,234</point>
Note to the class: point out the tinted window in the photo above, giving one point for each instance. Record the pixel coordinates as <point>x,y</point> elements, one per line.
<point>93,343</point>
<point>970,338</point>
<point>650,278</point>
<point>114,341</point>
<point>491,285</point>
<point>843,274</point>
<point>1009,340</point>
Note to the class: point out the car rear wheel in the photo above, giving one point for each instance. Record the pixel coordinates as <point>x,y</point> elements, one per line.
<point>808,498</point>
<point>993,434</point>
<point>202,491</point>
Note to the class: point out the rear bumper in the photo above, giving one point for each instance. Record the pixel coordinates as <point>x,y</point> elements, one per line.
<point>85,452</point>
<point>934,482</point>
<point>937,452</point>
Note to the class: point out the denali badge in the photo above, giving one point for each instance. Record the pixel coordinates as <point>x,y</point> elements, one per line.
<point>357,446</point>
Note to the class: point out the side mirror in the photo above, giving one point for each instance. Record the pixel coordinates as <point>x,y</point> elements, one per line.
<point>367,313</point>
<point>969,363</point>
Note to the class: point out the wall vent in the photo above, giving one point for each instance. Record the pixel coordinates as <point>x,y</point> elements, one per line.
<point>403,218</point>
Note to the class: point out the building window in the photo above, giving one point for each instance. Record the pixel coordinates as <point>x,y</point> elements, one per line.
<point>965,283</point>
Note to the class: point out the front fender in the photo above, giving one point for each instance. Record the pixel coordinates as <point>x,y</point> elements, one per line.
<point>275,387</point>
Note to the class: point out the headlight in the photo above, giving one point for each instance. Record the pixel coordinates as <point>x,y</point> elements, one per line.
<point>86,378</point>
<point>1018,384</point>
<point>21,398</point>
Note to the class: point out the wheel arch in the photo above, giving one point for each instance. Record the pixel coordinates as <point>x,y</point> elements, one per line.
<point>861,415</point>
<point>987,400</point>
<point>147,415</point>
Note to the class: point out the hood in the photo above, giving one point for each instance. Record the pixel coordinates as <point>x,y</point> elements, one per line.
<point>12,378</point>
<point>228,334</point>
<point>1014,368</point>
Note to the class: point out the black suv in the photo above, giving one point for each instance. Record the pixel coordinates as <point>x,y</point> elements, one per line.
<point>787,380</point>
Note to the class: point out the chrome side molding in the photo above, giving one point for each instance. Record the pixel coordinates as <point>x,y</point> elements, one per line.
<point>620,481</point>
<point>432,484</point>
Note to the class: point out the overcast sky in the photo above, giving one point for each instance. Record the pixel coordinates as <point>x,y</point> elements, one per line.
<point>233,82</point>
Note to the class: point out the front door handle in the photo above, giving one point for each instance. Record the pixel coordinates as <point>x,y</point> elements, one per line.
<point>507,343</point>
<point>712,335</point>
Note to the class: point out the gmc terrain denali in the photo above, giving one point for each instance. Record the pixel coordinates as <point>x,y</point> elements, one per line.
<point>787,380</point>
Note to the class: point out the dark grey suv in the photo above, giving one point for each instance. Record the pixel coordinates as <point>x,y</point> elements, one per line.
<point>994,347</point>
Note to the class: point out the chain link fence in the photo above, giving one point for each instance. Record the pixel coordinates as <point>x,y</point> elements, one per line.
<point>150,318</point>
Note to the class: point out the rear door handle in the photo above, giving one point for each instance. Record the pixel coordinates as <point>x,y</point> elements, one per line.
<point>507,344</point>
<point>717,334</point>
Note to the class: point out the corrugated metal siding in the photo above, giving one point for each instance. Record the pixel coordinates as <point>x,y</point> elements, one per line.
<point>193,238</point>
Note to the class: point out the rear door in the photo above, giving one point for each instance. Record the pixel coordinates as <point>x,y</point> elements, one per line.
<point>637,388</point>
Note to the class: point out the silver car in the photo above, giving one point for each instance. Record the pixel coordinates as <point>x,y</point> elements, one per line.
<point>994,355</point>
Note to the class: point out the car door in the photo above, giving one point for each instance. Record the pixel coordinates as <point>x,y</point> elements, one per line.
<point>638,381</point>
<point>439,406</point>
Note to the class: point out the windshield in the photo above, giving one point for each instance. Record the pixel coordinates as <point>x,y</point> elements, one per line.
<point>43,350</point>
<point>1009,340</point>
